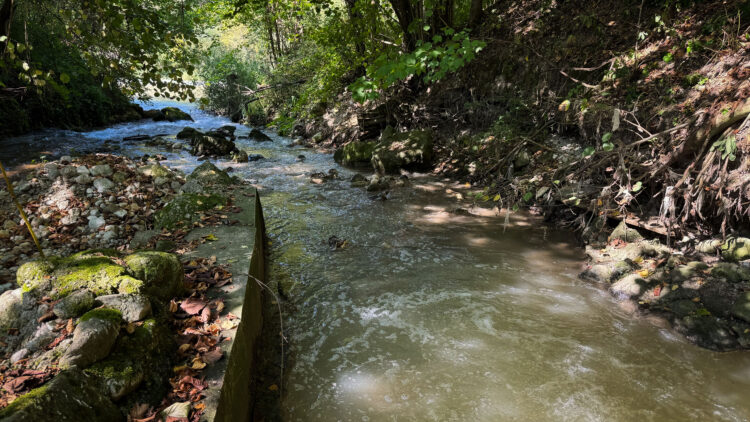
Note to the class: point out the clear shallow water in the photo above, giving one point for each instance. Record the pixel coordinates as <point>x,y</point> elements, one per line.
<point>428,315</point>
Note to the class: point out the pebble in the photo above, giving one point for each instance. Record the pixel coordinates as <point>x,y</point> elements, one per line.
<point>103,184</point>
<point>83,179</point>
<point>95,222</point>
<point>65,159</point>
<point>83,170</point>
<point>101,170</point>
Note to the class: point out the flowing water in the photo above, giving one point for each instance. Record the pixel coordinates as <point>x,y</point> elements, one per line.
<point>430,315</point>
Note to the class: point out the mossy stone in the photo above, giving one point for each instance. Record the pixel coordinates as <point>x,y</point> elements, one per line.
<point>161,273</point>
<point>732,273</point>
<point>172,114</point>
<point>183,209</point>
<point>208,174</point>
<point>408,150</point>
<point>355,153</point>
<point>625,233</point>
<point>59,277</point>
<point>70,396</point>
<point>736,249</point>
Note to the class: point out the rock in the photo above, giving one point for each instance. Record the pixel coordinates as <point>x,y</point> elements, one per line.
<point>95,223</point>
<point>709,246</point>
<point>257,135</point>
<point>155,170</point>
<point>9,225</point>
<point>170,114</point>
<point>379,183</point>
<point>119,177</point>
<point>69,172</point>
<point>240,157</point>
<point>736,249</point>
<point>730,272</point>
<point>103,184</point>
<point>741,307</point>
<point>188,133</point>
<point>683,307</point>
<point>355,153</point>
<point>120,213</point>
<point>134,307</point>
<point>359,181</point>
<point>66,159</point>
<point>184,208</point>
<point>211,145</point>
<point>52,171</point>
<point>630,286</point>
<point>255,157</point>
<point>93,338</point>
<point>83,179</point>
<point>83,170</point>
<point>160,181</point>
<point>707,331</point>
<point>18,355</point>
<point>74,305</point>
<point>4,234</point>
<point>161,273</point>
<point>406,150</point>
<point>625,233</point>
<point>42,336</point>
<point>209,174</point>
<point>11,304</point>
<point>102,170</point>
<point>522,159</point>
<point>317,138</point>
<point>70,396</point>
<point>300,158</point>
<point>58,277</point>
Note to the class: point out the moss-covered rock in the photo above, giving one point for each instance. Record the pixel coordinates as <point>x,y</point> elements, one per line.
<point>625,233</point>
<point>155,170</point>
<point>171,114</point>
<point>259,136</point>
<point>730,272</point>
<point>741,308</point>
<point>58,277</point>
<point>11,306</point>
<point>407,150</point>
<point>161,273</point>
<point>75,304</point>
<point>736,249</point>
<point>188,133</point>
<point>355,153</point>
<point>141,360</point>
<point>208,174</point>
<point>70,396</point>
<point>183,209</point>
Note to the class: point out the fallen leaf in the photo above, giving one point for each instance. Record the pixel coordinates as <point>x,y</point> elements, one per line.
<point>193,305</point>
<point>173,306</point>
<point>184,348</point>
<point>198,363</point>
<point>213,356</point>
<point>643,273</point>
<point>273,387</point>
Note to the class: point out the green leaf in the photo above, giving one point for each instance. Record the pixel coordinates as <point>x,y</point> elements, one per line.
<point>607,136</point>
<point>527,197</point>
<point>64,78</point>
<point>608,146</point>
<point>589,151</point>
<point>638,186</point>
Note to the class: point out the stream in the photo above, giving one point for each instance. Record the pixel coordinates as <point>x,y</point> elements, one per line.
<point>432,315</point>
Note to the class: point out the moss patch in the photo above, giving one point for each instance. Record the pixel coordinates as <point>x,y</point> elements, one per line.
<point>60,276</point>
<point>355,153</point>
<point>106,314</point>
<point>161,273</point>
<point>182,209</point>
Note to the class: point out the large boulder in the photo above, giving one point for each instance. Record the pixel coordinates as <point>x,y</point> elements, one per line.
<point>406,150</point>
<point>93,338</point>
<point>161,273</point>
<point>355,153</point>
<point>212,145</point>
<point>171,114</point>
<point>70,396</point>
<point>11,306</point>
<point>57,277</point>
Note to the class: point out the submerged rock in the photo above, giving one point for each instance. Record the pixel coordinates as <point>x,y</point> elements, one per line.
<point>257,135</point>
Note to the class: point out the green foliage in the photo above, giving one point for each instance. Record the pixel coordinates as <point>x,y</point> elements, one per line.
<point>727,146</point>
<point>432,61</point>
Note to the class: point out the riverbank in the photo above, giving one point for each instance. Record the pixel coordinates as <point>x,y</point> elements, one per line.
<point>170,256</point>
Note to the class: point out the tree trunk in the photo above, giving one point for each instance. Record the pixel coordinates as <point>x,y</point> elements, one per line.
<point>6,17</point>
<point>475,13</point>
<point>406,14</point>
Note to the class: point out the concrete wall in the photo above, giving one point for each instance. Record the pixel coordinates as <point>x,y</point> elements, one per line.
<point>236,401</point>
